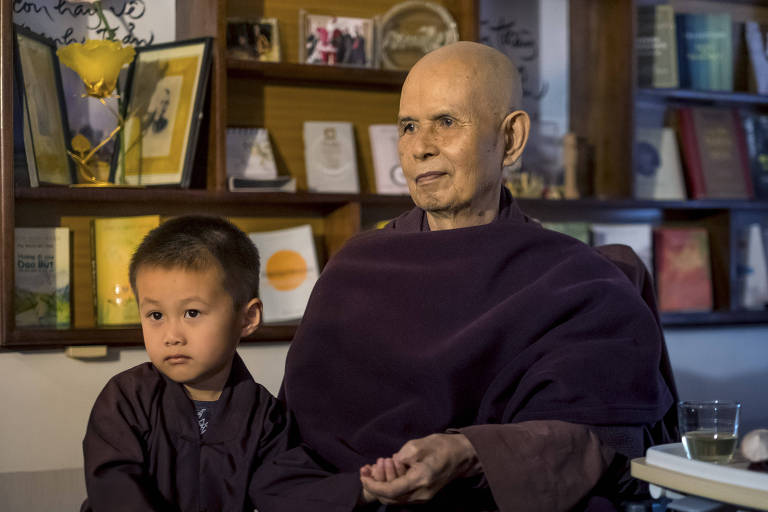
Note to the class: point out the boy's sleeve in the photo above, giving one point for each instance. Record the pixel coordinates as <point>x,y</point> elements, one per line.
<point>290,476</point>
<point>116,475</point>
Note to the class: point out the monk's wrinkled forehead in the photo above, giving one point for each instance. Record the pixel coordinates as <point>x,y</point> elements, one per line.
<point>472,73</point>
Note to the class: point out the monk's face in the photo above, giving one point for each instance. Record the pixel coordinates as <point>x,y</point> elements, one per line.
<point>450,145</point>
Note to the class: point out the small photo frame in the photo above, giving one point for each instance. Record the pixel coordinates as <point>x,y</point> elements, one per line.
<point>165,95</point>
<point>41,97</point>
<point>336,40</point>
<point>253,39</point>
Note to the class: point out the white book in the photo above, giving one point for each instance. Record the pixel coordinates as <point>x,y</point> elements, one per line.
<point>638,236</point>
<point>288,273</point>
<point>330,157</point>
<point>42,276</point>
<point>386,160</point>
<point>754,290</point>
<point>658,172</point>
<point>249,154</point>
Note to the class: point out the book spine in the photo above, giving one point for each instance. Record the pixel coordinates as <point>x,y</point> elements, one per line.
<point>693,171</point>
<point>94,287</point>
<point>743,154</point>
<point>683,72</point>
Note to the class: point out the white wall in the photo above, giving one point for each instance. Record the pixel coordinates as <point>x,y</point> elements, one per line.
<point>47,397</point>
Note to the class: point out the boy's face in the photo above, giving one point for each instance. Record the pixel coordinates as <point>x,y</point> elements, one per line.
<point>191,328</point>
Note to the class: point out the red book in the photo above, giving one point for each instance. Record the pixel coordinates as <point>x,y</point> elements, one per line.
<point>683,275</point>
<point>715,153</point>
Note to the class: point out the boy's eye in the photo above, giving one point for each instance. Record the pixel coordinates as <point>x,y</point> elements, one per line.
<point>155,315</point>
<point>191,313</point>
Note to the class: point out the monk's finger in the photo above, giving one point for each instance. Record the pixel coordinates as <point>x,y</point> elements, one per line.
<point>397,490</point>
<point>377,470</point>
<point>400,468</point>
<point>389,469</point>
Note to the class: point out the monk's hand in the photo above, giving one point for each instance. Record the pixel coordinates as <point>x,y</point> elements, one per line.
<point>422,467</point>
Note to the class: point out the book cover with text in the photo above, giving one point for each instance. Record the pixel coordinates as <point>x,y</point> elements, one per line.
<point>683,271</point>
<point>42,290</point>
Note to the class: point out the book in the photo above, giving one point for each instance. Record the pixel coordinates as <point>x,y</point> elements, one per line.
<point>658,171</point>
<point>756,135</point>
<point>386,160</point>
<point>656,45</point>
<point>637,236</point>
<point>42,290</point>
<point>277,184</point>
<point>705,51</point>
<point>288,272</point>
<point>683,272</point>
<point>330,157</point>
<point>114,240</point>
<point>578,230</point>
<point>758,56</point>
<point>715,153</point>
<point>249,154</point>
<point>752,271</point>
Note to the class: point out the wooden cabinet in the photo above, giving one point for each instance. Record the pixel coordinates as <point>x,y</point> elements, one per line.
<point>281,96</point>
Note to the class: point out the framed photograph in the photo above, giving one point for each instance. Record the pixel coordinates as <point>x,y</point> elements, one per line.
<point>44,116</point>
<point>336,40</point>
<point>253,39</point>
<point>165,95</point>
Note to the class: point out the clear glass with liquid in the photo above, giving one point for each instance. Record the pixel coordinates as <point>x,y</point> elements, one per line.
<point>710,429</point>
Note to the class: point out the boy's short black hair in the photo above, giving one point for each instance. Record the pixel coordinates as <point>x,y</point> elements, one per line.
<point>196,242</point>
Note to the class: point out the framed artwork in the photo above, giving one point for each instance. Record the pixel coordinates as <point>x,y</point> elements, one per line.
<point>253,39</point>
<point>44,116</point>
<point>336,40</point>
<point>165,95</point>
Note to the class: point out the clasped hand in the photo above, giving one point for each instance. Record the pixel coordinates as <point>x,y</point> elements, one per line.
<point>419,469</point>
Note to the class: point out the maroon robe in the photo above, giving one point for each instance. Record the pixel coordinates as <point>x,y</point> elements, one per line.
<point>519,337</point>
<point>143,451</point>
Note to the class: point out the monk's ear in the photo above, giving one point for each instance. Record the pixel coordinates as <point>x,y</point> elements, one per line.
<point>516,126</point>
<point>252,317</point>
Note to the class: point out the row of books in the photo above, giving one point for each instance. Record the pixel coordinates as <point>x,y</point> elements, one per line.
<point>330,156</point>
<point>679,260</point>
<point>697,50</point>
<point>709,152</point>
<point>43,272</point>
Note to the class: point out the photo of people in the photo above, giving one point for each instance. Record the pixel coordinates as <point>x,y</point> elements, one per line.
<point>337,41</point>
<point>253,39</point>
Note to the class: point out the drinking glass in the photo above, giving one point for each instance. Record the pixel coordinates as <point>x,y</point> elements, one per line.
<point>710,429</point>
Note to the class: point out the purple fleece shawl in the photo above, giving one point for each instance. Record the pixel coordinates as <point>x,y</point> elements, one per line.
<point>409,332</point>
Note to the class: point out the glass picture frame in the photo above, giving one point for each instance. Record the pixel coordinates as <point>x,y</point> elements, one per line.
<point>253,39</point>
<point>336,40</point>
<point>165,94</point>
<point>44,115</point>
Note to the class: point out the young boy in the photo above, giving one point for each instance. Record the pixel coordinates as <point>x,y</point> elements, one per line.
<point>188,431</point>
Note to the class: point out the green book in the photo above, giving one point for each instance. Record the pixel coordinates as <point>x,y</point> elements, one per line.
<point>706,51</point>
<point>656,47</point>
<point>578,230</point>
<point>41,295</point>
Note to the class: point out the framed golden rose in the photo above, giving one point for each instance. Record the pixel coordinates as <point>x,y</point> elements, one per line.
<point>45,127</point>
<point>165,95</point>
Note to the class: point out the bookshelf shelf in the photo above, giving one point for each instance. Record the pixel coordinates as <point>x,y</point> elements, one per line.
<point>314,75</point>
<point>21,339</point>
<point>718,97</point>
<point>714,318</point>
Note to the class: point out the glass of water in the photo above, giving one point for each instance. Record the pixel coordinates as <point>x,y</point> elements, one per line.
<point>710,429</point>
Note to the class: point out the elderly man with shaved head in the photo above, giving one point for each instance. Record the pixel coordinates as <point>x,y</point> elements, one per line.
<point>464,358</point>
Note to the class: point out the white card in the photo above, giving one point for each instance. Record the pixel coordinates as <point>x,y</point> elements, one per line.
<point>386,161</point>
<point>330,157</point>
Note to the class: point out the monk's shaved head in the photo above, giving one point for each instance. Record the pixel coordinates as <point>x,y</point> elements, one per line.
<point>459,125</point>
<point>495,80</point>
